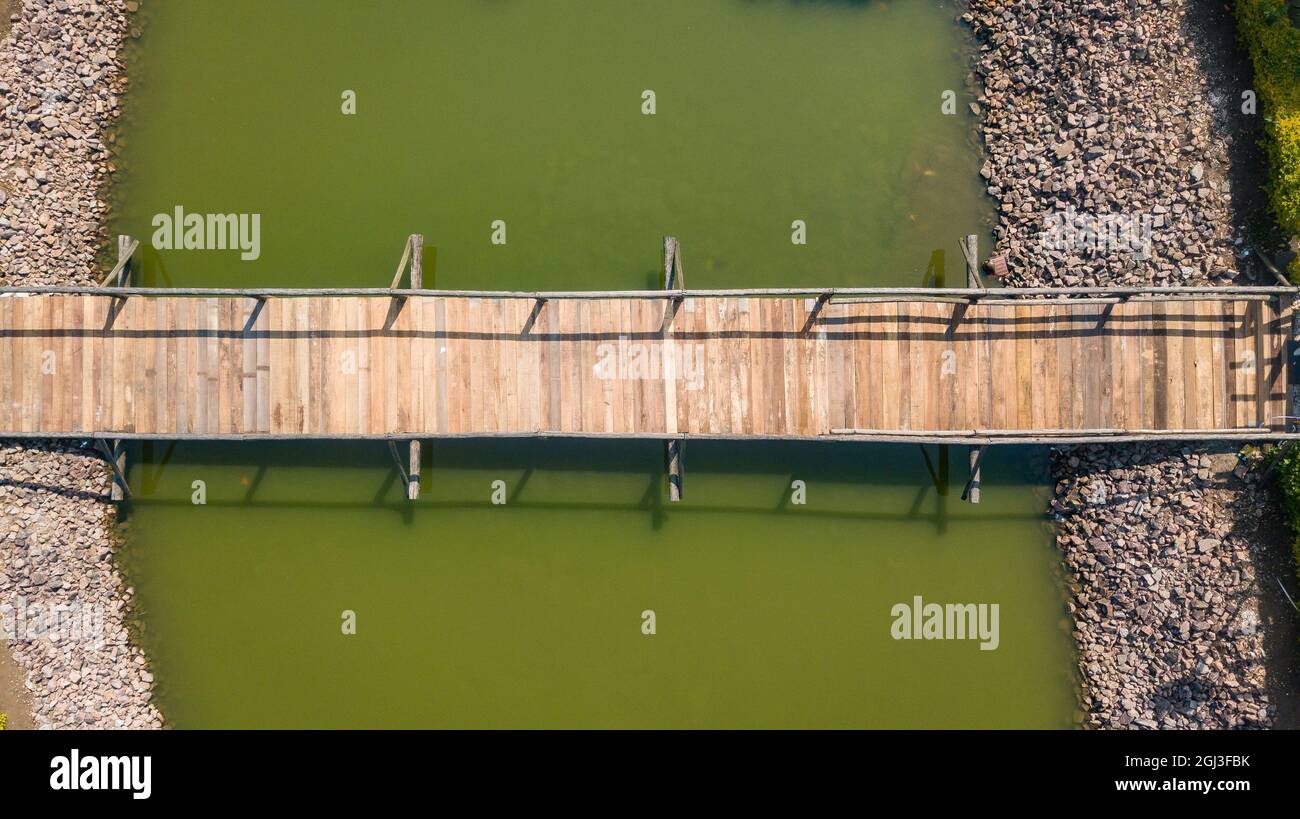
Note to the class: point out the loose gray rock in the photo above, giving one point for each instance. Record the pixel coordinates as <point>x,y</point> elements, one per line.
<point>60,77</point>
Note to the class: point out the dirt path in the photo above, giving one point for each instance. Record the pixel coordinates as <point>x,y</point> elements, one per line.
<point>14,699</point>
<point>7,8</point>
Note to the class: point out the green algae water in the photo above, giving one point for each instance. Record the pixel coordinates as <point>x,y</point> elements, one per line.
<point>772,583</point>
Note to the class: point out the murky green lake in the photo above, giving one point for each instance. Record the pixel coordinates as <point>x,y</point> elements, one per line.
<point>768,612</point>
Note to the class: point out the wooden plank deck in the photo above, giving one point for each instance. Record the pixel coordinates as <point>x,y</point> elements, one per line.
<point>345,366</point>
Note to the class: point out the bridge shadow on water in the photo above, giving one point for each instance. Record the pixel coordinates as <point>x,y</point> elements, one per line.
<point>851,481</point>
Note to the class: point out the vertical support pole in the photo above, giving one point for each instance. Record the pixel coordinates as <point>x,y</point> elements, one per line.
<point>674,448</point>
<point>417,283</point>
<point>413,473</point>
<point>124,243</point>
<point>116,450</point>
<point>972,253</point>
<point>118,454</point>
<point>670,263</point>
<point>973,487</point>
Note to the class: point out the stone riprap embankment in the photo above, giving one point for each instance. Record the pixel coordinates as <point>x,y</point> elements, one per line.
<point>1101,138</point>
<point>1102,122</point>
<point>1164,588</point>
<point>67,603</point>
<point>60,78</point>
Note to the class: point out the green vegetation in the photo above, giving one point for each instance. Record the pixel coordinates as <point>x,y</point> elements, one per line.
<point>1286,468</point>
<point>4,720</point>
<point>1274,45</point>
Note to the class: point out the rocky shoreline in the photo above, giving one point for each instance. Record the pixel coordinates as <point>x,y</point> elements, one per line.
<point>64,605</point>
<point>1163,554</point>
<point>1096,109</point>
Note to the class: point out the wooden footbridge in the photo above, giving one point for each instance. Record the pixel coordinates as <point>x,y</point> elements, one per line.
<point>973,365</point>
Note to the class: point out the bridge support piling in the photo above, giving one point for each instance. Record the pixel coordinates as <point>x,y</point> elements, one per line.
<point>674,448</point>
<point>413,474</point>
<point>972,491</point>
<point>970,248</point>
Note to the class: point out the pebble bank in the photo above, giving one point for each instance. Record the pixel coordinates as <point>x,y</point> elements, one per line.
<point>1099,108</point>
<point>61,75</point>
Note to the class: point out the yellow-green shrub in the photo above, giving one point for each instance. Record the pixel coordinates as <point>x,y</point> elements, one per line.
<point>1274,45</point>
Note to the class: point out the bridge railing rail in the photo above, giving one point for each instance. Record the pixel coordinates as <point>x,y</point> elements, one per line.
<point>950,294</point>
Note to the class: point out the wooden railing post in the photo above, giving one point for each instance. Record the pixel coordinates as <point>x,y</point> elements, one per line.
<point>674,452</point>
<point>971,250</point>
<point>971,492</point>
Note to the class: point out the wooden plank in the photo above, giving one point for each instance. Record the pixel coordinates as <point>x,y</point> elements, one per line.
<point>1260,386</point>
<point>1205,395</point>
<point>1231,364</point>
<point>1185,329</point>
<point>918,374</point>
<point>1048,399</point>
<point>26,397</point>
<point>52,387</point>
<point>820,381</point>
<point>1091,373</point>
<point>298,401</point>
<point>129,367</point>
<point>1129,387</point>
<point>178,387</point>
<point>212,330</point>
<point>1024,366</point>
<point>262,370</point>
<point>882,378</point>
<point>1219,391</point>
<point>9,382</point>
<point>1275,375</point>
<point>248,365</point>
<point>91,353</point>
<point>164,405</point>
<point>1002,368</point>
<point>428,343</point>
<point>1161,415</point>
<point>900,395</point>
<point>63,381</point>
<point>856,330</point>
<point>1066,364</point>
<point>45,361</point>
<point>1107,365</point>
<point>741,369</point>
<point>281,375</point>
<point>111,388</point>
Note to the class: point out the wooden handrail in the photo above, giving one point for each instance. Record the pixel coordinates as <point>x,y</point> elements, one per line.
<point>898,293</point>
